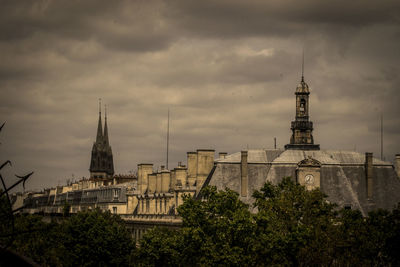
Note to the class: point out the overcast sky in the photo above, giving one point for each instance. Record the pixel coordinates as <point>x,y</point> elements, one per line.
<point>226,69</point>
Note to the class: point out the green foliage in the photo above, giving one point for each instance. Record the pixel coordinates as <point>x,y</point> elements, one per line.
<point>38,240</point>
<point>290,226</point>
<point>159,247</point>
<point>92,238</point>
<point>95,238</point>
<point>217,230</point>
<point>6,220</point>
<point>294,226</point>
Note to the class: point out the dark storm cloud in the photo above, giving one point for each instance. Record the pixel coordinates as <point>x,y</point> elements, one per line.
<point>115,24</point>
<point>227,70</point>
<point>248,18</point>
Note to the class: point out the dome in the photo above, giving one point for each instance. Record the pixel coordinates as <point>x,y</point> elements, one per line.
<point>302,87</point>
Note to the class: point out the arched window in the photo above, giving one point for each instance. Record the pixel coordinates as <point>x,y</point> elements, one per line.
<point>302,105</point>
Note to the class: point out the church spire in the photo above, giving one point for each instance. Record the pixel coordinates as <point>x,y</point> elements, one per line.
<point>99,136</point>
<point>101,163</point>
<point>105,126</point>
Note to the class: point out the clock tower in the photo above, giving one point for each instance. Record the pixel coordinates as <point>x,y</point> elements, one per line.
<point>302,127</point>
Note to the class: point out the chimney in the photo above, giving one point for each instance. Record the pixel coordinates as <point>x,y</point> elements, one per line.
<point>181,176</point>
<point>397,164</point>
<point>143,181</point>
<point>368,174</point>
<point>172,183</point>
<point>139,178</point>
<point>165,181</point>
<point>243,174</point>
<point>158,182</point>
<point>152,183</point>
<point>192,167</point>
<point>205,163</point>
<point>222,155</point>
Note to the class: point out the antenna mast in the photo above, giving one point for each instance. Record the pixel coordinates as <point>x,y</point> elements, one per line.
<point>167,140</point>
<point>302,68</point>
<point>381,136</point>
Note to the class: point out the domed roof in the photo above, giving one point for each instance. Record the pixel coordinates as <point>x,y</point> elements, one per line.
<point>302,87</point>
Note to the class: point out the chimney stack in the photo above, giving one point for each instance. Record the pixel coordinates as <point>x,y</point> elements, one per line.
<point>243,174</point>
<point>192,167</point>
<point>143,181</point>
<point>368,174</point>
<point>222,155</point>
<point>205,162</point>
<point>152,183</point>
<point>397,164</point>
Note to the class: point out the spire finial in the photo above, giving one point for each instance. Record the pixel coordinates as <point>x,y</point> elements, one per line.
<point>302,68</point>
<point>105,126</point>
<point>99,136</point>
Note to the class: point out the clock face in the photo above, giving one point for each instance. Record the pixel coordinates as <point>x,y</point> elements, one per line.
<point>309,179</point>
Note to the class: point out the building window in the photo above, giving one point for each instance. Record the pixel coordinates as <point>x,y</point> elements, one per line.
<point>115,193</point>
<point>115,210</point>
<point>302,105</point>
<point>160,205</point>
<point>147,206</point>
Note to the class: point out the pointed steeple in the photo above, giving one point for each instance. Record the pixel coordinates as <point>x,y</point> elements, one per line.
<point>99,136</point>
<point>101,163</point>
<point>105,136</point>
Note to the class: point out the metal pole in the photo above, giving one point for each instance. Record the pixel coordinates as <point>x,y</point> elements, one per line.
<point>381,136</point>
<point>167,139</point>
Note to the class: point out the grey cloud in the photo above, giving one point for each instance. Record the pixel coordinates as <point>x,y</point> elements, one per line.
<point>119,25</point>
<point>281,18</point>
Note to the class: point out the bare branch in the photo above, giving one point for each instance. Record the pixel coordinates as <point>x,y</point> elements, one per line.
<point>5,163</point>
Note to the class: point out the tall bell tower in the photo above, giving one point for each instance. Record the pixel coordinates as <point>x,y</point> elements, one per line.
<point>302,127</point>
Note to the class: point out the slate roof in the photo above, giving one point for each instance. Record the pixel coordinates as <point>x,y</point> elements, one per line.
<point>342,175</point>
<point>327,157</point>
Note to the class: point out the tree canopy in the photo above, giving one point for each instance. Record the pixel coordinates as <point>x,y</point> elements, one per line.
<point>92,238</point>
<point>290,226</point>
<point>287,226</point>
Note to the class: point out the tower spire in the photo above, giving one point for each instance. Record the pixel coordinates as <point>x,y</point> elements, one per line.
<point>105,126</point>
<point>99,136</point>
<point>302,127</point>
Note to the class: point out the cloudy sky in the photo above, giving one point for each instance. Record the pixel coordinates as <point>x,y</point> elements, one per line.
<point>227,70</point>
